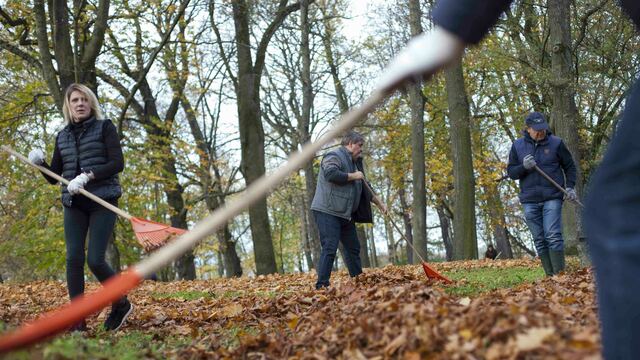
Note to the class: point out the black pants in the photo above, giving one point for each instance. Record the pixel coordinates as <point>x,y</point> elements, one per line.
<point>82,217</point>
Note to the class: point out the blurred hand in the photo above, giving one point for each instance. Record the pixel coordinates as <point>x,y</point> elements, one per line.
<point>358,175</point>
<point>36,156</point>
<point>78,183</point>
<point>529,162</point>
<point>571,195</point>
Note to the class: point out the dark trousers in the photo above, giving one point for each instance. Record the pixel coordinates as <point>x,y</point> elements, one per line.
<point>86,216</point>
<point>611,220</point>
<point>334,229</point>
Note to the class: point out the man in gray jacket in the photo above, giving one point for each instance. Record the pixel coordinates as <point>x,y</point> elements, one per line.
<point>338,195</point>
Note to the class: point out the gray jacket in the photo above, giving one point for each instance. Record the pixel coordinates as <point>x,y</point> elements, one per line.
<point>335,195</point>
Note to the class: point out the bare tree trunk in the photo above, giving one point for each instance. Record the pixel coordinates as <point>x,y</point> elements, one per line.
<point>406,217</point>
<point>304,233</point>
<point>364,246</point>
<point>465,245</point>
<point>445,230</point>
<point>495,209</point>
<point>304,130</point>
<point>71,66</point>
<point>372,246</point>
<point>564,114</point>
<point>247,86</point>
<point>220,264</point>
<point>416,103</point>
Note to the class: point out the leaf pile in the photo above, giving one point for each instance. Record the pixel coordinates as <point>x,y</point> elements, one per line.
<point>390,312</point>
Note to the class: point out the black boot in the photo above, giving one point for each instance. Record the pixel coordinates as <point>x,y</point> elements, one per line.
<point>545,259</point>
<point>557,260</point>
<point>80,326</point>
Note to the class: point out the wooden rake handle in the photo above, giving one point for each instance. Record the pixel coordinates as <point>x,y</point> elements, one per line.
<point>395,225</point>
<point>84,192</point>
<point>555,184</point>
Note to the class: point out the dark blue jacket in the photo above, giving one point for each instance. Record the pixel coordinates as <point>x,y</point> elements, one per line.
<point>472,19</point>
<point>552,157</point>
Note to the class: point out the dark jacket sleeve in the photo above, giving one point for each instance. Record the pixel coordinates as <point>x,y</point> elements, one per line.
<point>469,19</point>
<point>515,169</point>
<point>56,165</point>
<point>569,167</point>
<point>632,8</point>
<point>332,172</point>
<point>115,159</point>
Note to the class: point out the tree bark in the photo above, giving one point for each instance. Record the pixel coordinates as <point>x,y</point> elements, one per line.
<point>364,246</point>
<point>406,218</point>
<point>445,231</point>
<point>464,221</point>
<point>564,113</point>
<point>304,131</point>
<point>250,122</point>
<point>416,103</point>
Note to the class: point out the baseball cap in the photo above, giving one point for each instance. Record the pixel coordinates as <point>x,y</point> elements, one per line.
<point>536,121</point>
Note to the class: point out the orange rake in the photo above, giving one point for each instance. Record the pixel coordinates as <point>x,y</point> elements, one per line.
<point>151,235</point>
<point>428,270</point>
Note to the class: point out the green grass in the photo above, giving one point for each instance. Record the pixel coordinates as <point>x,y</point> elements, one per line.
<point>132,345</point>
<point>230,337</point>
<point>228,294</point>
<point>184,295</point>
<point>474,282</point>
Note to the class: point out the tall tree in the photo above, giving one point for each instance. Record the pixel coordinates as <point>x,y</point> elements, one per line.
<point>564,114</point>
<point>247,88</point>
<point>158,128</point>
<point>464,219</point>
<point>416,103</point>
<point>76,42</point>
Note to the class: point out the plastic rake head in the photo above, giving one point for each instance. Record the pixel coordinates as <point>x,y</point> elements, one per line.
<point>433,274</point>
<point>153,235</point>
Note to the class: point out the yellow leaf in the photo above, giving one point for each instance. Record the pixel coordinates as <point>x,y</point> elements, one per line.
<point>533,338</point>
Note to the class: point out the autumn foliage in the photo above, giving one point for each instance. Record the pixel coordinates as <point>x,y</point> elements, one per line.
<point>391,312</point>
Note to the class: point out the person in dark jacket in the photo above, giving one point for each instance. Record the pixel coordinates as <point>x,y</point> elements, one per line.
<point>612,203</point>
<point>491,252</point>
<point>87,152</point>
<point>541,200</point>
<point>339,195</point>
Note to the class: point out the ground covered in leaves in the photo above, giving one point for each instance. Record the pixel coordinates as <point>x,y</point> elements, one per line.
<point>494,310</point>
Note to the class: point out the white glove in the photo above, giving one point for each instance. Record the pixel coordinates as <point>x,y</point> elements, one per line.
<point>78,183</point>
<point>36,156</point>
<point>529,162</point>
<point>571,195</point>
<point>423,56</point>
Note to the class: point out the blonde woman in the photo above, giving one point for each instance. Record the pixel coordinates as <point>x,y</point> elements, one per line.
<point>87,153</point>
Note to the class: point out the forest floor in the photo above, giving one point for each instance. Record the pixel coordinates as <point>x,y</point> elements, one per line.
<point>502,309</point>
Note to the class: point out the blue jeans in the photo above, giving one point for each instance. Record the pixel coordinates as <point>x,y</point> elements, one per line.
<point>332,230</point>
<point>612,227</point>
<point>544,220</point>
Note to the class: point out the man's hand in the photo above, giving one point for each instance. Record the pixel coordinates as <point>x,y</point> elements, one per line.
<point>529,162</point>
<point>36,156</point>
<point>571,195</point>
<point>382,207</point>
<point>358,175</point>
<point>78,183</point>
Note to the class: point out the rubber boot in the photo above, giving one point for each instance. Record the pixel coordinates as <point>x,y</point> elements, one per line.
<point>545,259</point>
<point>557,260</point>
